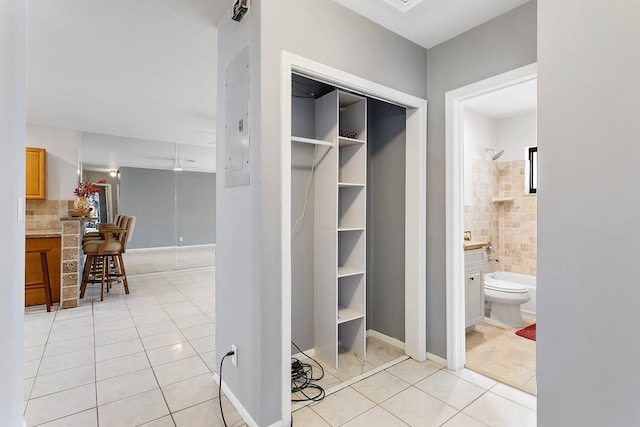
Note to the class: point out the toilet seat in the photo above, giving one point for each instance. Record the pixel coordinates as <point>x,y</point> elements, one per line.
<point>503,286</point>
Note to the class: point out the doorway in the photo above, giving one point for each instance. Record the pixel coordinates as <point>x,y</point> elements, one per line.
<point>415,206</point>
<point>484,199</point>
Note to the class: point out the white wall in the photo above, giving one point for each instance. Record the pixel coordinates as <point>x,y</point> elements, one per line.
<point>62,158</point>
<point>516,133</point>
<point>12,176</point>
<point>480,132</point>
<point>588,213</point>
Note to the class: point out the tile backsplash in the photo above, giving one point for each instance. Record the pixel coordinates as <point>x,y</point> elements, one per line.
<point>46,214</point>
<point>502,213</point>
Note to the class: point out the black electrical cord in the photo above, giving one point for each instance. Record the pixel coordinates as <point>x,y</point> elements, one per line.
<point>230,353</point>
<point>302,379</point>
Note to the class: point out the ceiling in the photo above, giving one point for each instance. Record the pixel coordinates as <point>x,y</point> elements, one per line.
<point>508,102</point>
<point>106,152</point>
<point>146,69</point>
<point>137,68</point>
<point>430,22</point>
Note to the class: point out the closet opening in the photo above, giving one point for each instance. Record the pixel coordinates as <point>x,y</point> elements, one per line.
<point>348,154</point>
<point>298,248</point>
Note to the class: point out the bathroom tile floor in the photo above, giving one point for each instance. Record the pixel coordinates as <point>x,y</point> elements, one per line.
<point>148,358</point>
<point>499,353</point>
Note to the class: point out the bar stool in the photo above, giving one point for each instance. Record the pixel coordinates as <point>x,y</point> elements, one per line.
<point>43,284</point>
<point>104,262</point>
<point>93,235</point>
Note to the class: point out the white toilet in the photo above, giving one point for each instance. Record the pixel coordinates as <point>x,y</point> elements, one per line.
<point>504,299</point>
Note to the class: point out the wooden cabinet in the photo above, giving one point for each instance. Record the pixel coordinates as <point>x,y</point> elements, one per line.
<point>36,174</point>
<point>474,267</point>
<point>33,269</point>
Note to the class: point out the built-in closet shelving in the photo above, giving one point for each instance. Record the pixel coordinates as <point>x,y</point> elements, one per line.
<point>339,223</point>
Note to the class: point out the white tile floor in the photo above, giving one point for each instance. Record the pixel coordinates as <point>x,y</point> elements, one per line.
<point>147,358</point>
<point>144,261</point>
<point>410,393</point>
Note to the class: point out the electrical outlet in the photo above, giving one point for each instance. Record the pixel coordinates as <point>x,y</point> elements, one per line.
<point>181,239</point>
<point>234,358</point>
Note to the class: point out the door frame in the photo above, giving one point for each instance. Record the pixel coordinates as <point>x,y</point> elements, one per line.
<point>415,205</point>
<point>454,201</point>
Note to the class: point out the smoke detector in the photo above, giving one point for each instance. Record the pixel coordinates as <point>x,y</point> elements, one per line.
<point>403,5</point>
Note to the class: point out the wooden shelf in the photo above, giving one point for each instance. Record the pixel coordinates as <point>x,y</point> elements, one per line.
<point>347,314</point>
<point>311,141</point>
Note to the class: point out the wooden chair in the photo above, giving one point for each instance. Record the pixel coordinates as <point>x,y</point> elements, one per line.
<point>43,284</point>
<point>104,263</point>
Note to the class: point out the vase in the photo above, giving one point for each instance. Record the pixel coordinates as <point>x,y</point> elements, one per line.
<point>81,206</point>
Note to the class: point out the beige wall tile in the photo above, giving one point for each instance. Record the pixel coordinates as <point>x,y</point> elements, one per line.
<point>511,226</point>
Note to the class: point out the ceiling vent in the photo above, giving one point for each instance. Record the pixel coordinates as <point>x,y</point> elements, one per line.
<point>403,5</point>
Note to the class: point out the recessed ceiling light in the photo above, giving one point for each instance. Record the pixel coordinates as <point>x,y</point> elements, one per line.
<point>403,5</point>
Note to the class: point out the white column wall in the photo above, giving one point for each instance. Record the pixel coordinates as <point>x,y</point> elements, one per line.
<point>12,176</point>
<point>588,213</point>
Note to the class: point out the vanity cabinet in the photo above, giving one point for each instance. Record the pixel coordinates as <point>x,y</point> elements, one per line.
<point>36,173</point>
<point>474,268</point>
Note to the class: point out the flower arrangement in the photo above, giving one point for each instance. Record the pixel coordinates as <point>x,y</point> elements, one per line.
<point>85,189</point>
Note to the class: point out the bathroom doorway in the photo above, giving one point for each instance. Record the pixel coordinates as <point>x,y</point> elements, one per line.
<point>491,133</point>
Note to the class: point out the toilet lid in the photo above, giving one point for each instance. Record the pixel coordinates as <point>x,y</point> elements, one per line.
<point>504,286</point>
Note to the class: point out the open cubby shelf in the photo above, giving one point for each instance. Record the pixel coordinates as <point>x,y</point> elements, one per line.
<point>339,221</point>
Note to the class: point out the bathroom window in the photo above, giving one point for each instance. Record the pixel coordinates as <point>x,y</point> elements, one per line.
<point>532,170</point>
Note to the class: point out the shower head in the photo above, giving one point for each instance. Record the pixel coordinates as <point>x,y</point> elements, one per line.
<point>496,153</point>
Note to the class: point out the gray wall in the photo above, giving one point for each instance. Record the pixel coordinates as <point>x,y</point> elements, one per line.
<point>249,222</point>
<point>386,142</point>
<point>328,33</point>
<point>502,44</point>
<point>302,157</point>
<point>588,213</point>
<point>238,233</point>
<point>150,195</point>
<point>13,72</point>
<point>196,208</point>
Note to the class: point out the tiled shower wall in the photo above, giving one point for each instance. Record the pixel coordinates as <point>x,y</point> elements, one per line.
<point>509,224</point>
<point>46,214</point>
<point>479,217</point>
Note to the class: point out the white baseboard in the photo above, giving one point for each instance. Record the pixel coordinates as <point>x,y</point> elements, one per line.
<point>165,248</point>
<point>385,338</point>
<point>437,359</point>
<point>236,404</point>
<point>311,353</point>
